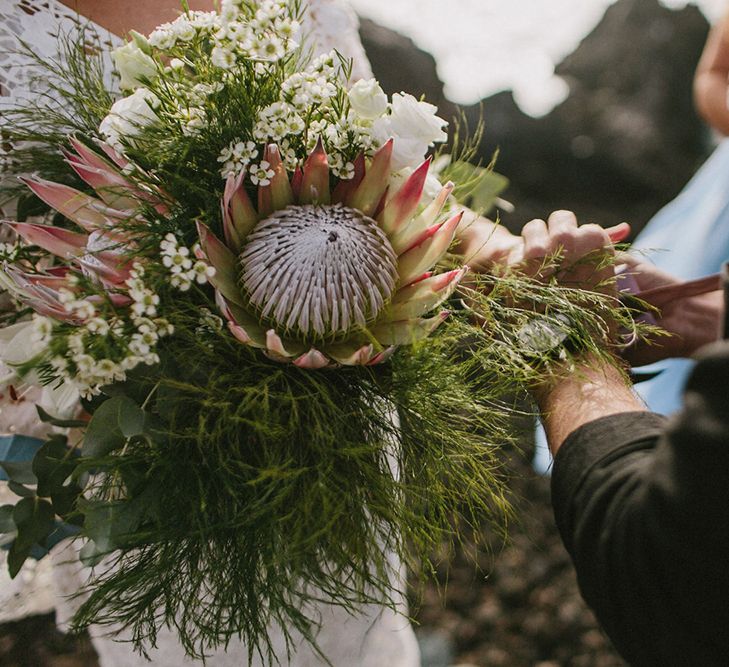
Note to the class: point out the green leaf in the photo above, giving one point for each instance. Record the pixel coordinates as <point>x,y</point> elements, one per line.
<point>64,499</point>
<point>115,421</point>
<point>478,187</point>
<point>166,401</point>
<point>7,525</point>
<point>90,554</point>
<point>55,421</point>
<point>53,464</point>
<point>16,557</point>
<point>109,524</point>
<point>35,520</point>
<point>20,490</point>
<point>19,471</point>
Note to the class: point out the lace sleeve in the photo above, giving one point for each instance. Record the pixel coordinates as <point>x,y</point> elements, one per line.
<point>332,24</point>
<point>36,23</point>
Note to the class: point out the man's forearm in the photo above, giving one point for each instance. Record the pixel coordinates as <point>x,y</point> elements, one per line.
<point>594,389</point>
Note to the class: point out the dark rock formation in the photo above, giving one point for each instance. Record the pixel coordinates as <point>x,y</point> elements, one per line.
<point>625,141</point>
<point>399,66</point>
<point>627,138</point>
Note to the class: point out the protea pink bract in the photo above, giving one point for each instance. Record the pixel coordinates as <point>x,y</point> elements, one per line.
<point>320,276</point>
<point>99,250</point>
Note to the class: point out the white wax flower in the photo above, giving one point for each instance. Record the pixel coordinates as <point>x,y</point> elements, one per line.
<point>367,98</point>
<point>414,126</point>
<point>133,64</point>
<point>129,115</point>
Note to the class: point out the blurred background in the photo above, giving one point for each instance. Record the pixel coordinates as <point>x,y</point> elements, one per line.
<point>589,103</point>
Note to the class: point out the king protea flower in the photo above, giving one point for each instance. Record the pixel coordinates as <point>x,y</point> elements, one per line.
<point>321,277</point>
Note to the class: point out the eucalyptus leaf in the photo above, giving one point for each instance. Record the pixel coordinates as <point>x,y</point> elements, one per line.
<point>90,554</point>
<point>7,525</point>
<point>110,524</point>
<point>64,499</point>
<point>55,421</point>
<point>116,420</point>
<point>53,464</point>
<point>20,490</point>
<point>19,471</point>
<point>34,518</point>
<point>6,539</point>
<point>17,556</point>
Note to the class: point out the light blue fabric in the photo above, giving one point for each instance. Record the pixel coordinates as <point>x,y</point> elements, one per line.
<point>689,238</point>
<point>17,449</point>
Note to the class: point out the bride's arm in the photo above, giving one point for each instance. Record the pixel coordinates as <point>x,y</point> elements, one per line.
<point>117,18</point>
<point>328,24</point>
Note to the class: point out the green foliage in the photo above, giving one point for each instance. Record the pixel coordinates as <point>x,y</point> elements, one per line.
<point>113,424</point>
<point>43,477</point>
<point>476,186</point>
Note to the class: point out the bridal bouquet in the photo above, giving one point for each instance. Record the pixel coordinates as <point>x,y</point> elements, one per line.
<point>244,313</point>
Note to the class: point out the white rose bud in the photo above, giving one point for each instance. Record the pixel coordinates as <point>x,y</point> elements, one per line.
<point>133,65</point>
<point>141,41</point>
<point>368,100</point>
<point>129,115</point>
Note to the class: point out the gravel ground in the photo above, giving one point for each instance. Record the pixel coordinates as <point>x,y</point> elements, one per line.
<point>522,609</point>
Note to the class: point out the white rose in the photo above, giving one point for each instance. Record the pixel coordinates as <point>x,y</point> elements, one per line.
<point>129,115</point>
<point>133,64</point>
<point>368,100</point>
<point>411,118</point>
<point>414,127</point>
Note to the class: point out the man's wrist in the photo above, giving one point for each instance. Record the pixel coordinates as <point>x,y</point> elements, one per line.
<point>584,389</point>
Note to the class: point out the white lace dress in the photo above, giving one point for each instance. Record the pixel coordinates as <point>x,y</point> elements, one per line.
<point>376,637</point>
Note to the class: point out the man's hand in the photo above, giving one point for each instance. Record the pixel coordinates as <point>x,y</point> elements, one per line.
<point>692,321</point>
<point>580,250</point>
<point>593,389</point>
<point>483,243</point>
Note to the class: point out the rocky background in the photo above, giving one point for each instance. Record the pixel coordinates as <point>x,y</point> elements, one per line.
<point>621,146</point>
<point>624,142</point>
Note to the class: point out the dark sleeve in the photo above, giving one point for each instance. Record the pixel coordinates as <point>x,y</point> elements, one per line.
<point>642,504</point>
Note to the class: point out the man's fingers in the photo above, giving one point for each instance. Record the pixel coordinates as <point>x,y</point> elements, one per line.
<point>562,230</point>
<point>562,220</point>
<point>536,240</point>
<point>591,238</point>
<point>619,232</point>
